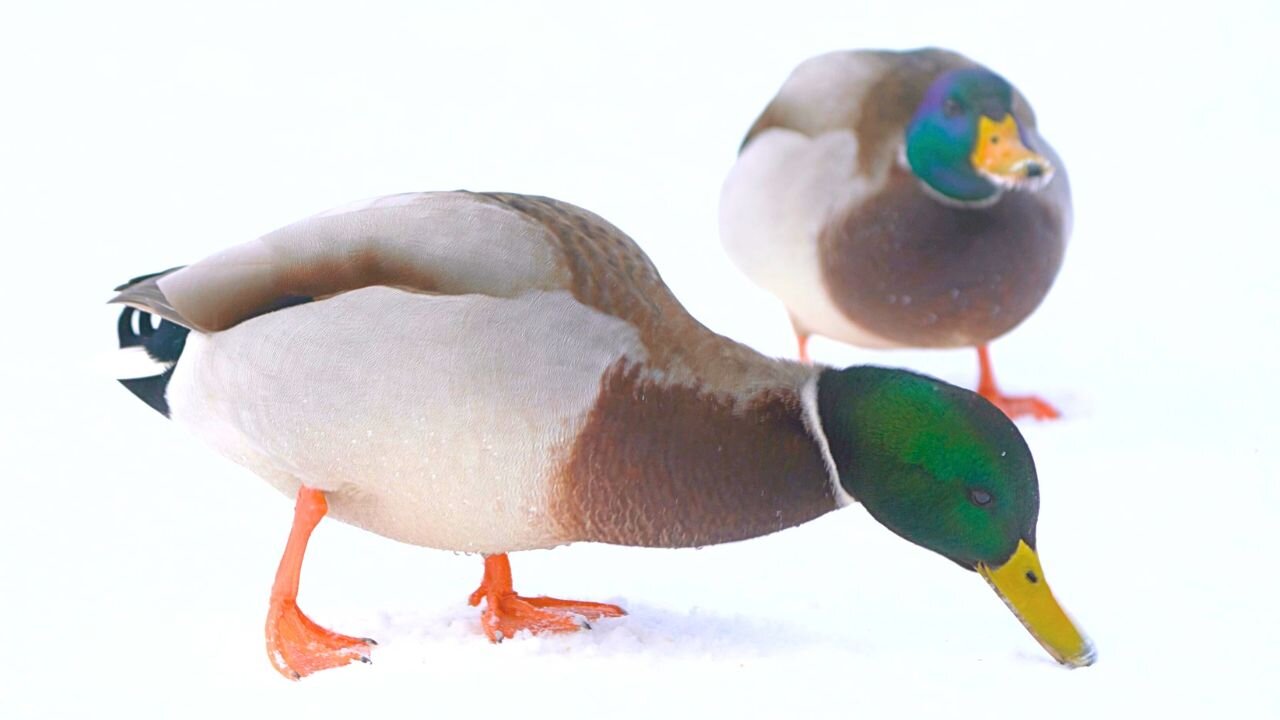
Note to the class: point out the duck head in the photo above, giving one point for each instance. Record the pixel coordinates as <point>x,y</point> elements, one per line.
<point>964,143</point>
<point>945,469</point>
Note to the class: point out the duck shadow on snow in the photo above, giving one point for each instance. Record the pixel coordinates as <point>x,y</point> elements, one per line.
<point>644,631</point>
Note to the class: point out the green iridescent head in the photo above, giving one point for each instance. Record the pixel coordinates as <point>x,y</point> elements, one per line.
<point>964,143</point>
<point>948,471</point>
<point>936,464</point>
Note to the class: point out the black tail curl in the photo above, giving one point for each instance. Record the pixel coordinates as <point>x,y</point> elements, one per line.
<point>163,343</point>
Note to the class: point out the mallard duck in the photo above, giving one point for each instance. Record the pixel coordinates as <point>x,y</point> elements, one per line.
<point>487,373</point>
<point>900,199</point>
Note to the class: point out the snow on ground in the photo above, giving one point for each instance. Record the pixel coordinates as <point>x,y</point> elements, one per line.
<point>135,565</point>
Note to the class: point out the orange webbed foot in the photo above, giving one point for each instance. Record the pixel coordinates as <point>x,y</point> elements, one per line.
<point>511,613</point>
<point>507,613</point>
<point>1018,406</point>
<point>1015,406</point>
<point>297,646</point>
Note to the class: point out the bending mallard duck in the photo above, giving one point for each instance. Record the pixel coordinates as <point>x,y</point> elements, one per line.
<point>488,373</point>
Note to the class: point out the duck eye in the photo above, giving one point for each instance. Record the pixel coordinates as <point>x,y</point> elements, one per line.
<point>951,108</point>
<point>981,498</point>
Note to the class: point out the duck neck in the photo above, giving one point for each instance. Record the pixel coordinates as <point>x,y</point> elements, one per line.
<point>941,161</point>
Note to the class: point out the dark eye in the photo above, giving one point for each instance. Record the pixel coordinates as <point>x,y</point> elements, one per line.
<point>951,108</point>
<point>981,498</point>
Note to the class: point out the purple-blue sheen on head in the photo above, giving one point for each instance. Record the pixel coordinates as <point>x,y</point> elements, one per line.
<point>941,135</point>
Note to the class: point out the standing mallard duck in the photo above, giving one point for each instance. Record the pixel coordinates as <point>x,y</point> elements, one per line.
<point>488,373</point>
<point>900,199</point>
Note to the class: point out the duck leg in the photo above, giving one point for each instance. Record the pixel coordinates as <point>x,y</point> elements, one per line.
<point>1015,406</point>
<point>507,613</point>
<point>297,646</point>
<point>802,342</point>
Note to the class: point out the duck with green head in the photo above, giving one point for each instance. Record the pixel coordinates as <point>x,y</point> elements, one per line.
<point>943,468</point>
<point>490,372</point>
<point>901,199</point>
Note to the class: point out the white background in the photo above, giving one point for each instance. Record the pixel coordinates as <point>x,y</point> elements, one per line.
<point>135,565</point>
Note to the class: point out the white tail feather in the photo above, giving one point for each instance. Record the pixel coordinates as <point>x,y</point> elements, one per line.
<point>126,363</point>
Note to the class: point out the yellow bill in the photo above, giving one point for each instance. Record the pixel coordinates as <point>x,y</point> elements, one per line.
<point>1020,582</point>
<point>1000,156</point>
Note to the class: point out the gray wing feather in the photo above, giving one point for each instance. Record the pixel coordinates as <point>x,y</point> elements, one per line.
<point>144,293</point>
<point>444,243</point>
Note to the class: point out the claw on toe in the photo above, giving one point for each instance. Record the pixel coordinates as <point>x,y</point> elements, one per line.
<point>297,646</point>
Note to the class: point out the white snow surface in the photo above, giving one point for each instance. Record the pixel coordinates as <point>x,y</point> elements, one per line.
<point>135,565</point>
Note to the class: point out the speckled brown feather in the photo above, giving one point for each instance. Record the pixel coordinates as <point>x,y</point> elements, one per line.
<point>610,273</point>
